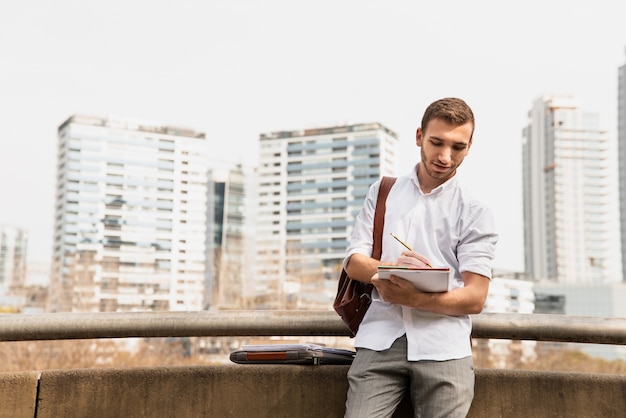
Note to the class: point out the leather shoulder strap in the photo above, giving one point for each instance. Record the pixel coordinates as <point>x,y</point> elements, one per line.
<point>379,216</point>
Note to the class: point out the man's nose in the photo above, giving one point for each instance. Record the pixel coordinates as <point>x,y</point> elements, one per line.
<point>444,155</point>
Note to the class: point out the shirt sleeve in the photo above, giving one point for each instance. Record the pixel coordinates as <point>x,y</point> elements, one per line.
<point>362,241</point>
<point>477,242</point>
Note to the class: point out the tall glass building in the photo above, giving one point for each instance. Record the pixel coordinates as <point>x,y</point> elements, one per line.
<point>230,237</point>
<point>312,184</point>
<point>571,221</point>
<point>130,221</point>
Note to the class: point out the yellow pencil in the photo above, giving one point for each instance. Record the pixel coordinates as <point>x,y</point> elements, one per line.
<point>405,244</point>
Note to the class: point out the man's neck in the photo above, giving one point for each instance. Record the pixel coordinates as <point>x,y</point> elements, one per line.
<point>425,182</point>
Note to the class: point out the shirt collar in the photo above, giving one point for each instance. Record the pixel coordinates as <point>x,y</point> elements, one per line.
<point>450,183</point>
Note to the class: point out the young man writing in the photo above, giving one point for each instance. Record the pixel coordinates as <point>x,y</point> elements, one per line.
<point>410,341</point>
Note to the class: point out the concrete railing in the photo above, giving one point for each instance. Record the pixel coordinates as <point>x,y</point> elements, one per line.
<point>66,326</point>
<point>286,391</point>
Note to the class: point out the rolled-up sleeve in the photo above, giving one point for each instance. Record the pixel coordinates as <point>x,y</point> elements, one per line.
<point>361,241</point>
<point>477,243</point>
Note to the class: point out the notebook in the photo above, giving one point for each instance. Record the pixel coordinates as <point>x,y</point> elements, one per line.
<point>424,279</point>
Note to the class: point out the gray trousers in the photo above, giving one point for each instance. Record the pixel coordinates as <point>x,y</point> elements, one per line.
<point>379,379</point>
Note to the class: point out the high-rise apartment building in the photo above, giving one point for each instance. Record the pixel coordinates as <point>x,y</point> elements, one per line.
<point>130,222</point>
<point>13,244</point>
<point>230,237</point>
<point>312,184</point>
<point>570,199</point>
<point>621,141</point>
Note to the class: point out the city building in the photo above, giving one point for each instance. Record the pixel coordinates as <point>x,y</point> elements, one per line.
<point>508,293</point>
<point>130,217</point>
<point>621,155</point>
<point>311,185</point>
<point>230,237</point>
<point>571,221</point>
<point>589,299</point>
<point>13,245</point>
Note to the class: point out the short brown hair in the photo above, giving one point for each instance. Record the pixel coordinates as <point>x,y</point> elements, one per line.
<point>452,110</point>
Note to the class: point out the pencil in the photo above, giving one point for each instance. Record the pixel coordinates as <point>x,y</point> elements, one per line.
<point>401,242</point>
<point>405,245</point>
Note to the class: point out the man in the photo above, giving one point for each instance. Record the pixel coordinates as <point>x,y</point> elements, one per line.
<point>411,341</point>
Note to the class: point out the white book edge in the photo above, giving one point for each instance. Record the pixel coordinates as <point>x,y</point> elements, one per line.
<point>424,280</point>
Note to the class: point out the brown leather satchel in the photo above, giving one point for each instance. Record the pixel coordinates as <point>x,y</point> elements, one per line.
<point>354,297</point>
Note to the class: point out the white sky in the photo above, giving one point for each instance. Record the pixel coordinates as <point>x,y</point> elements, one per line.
<point>235,69</point>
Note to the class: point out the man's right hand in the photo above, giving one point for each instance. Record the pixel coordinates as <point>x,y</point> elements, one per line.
<point>413,259</point>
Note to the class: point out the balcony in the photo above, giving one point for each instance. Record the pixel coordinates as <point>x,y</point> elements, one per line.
<point>230,390</point>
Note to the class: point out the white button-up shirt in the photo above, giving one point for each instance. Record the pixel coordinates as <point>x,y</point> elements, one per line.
<point>450,228</point>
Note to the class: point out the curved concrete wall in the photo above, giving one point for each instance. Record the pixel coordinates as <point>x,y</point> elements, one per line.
<point>518,393</point>
<point>284,391</point>
<point>18,394</point>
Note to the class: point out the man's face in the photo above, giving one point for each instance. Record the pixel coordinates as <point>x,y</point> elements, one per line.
<point>443,148</point>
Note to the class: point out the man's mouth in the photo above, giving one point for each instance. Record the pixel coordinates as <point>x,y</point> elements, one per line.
<point>440,168</point>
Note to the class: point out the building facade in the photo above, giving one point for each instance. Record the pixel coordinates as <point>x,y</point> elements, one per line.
<point>589,299</point>
<point>230,237</point>
<point>508,293</point>
<point>13,246</point>
<point>621,153</point>
<point>571,222</point>
<point>311,185</point>
<point>130,217</point>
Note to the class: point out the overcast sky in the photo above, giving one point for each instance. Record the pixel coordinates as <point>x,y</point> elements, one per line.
<point>235,69</point>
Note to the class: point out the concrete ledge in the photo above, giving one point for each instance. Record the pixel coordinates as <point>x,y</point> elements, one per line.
<point>520,393</point>
<point>216,391</point>
<point>18,394</point>
<point>287,391</point>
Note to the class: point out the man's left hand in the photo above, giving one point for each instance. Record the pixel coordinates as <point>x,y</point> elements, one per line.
<point>394,290</point>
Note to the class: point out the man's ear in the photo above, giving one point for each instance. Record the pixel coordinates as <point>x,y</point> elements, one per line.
<point>419,137</point>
